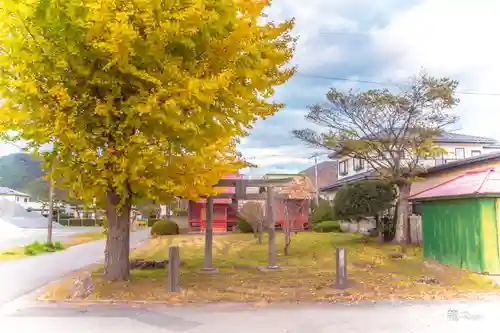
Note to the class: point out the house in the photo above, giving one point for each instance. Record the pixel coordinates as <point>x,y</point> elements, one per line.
<point>224,212</point>
<point>13,195</point>
<point>464,150</point>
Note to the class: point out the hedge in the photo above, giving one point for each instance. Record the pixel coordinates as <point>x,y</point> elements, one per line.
<point>244,226</point>
<point>327,226</point>
<point>164,227</point>
<point>81,222</point>
<point>324,212</point>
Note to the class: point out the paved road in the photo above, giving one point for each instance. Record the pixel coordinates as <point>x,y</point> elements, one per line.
<point>19,277</point>
<point>381,317</point>
<point>27,236</point>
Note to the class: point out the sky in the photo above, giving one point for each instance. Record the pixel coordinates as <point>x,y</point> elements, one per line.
<point>383,41</point>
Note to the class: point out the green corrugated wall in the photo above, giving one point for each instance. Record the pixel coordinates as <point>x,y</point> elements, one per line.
<point>462,233</point>
<point>489,228</point>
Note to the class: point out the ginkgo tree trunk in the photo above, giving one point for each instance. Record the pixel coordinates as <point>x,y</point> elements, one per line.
<point>145,99</point>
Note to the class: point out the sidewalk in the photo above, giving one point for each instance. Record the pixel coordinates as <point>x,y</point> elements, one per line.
<point>19,277</point>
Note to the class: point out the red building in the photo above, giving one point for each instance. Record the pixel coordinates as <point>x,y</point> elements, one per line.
<point>224,215</point>
<point>292,211</point>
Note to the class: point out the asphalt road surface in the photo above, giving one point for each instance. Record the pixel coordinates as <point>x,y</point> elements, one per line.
<point>21,313</point>
<point>19,277</point>
<point>431,316</point>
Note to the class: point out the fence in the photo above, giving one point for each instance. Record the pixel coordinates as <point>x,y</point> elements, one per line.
<point>81,222</point>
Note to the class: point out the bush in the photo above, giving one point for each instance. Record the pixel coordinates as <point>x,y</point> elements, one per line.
<point>323,212</point>
<point>362,199</point>
<point>327,226</point>
<point>152,221</point>
<point>164,227</point>
<point>244,226</point>
<point>35,248</point>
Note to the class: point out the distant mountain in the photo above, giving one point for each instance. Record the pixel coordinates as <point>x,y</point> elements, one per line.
<point>327,173</point>
<point>20,171</point>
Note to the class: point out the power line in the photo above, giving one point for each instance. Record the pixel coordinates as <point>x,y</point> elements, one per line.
<point>314,76</point>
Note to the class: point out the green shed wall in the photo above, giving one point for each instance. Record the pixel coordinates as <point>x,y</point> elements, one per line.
<point>489,227</point>
<point>462,233</point>
<point>452,231</point>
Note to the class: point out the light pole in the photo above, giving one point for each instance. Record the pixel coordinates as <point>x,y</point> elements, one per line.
<point>51,205</point>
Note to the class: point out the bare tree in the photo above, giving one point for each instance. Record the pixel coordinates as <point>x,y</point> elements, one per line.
<point>292,212</point>
<point>253,213</point>
<point>391,130</point>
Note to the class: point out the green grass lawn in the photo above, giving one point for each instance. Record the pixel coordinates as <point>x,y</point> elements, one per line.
<point>37,248</point>
<point>308,274</point>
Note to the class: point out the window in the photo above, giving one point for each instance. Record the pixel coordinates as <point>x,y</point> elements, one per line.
<point>476,153</point>
<point>25,199</point>
<point>343,167</point>
<point>459,153</point>
<point>357,164</point>
<point>17,198</point>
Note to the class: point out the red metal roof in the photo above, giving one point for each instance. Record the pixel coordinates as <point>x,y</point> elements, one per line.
<point>476,182</point>
<point>225,190</point>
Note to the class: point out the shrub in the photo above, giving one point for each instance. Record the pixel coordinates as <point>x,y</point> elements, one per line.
<point>323,212</point>
<point>35,248</point>
<point>164,227</point>
<point>327,226</point>
<point>363,198</point>
<point>244,226</point>
<point>152,221</point>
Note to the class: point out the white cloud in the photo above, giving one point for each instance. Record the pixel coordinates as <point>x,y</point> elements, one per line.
<point>313,24</point>
<point>451,38</point>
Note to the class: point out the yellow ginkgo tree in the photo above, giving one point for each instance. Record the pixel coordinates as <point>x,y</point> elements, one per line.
<point>140,99</point>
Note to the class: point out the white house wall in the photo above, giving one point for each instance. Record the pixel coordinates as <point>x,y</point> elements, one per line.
<point>14,198</point>
<point>449,155</point>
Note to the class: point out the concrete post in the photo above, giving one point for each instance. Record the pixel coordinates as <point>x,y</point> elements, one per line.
<point>341,268</point>
<point>209,234</point>
<point>271,228</point>
<point>173,283</point>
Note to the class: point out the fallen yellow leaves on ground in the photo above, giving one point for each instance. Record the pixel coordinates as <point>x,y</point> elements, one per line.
<point>308,273</point>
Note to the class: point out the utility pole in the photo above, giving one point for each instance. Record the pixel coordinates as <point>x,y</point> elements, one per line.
<point>316,197</point>
<point>51,206</point>
<point>316,179</point>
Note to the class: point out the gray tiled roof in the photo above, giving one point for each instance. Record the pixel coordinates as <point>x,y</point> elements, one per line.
<point>9,191</point>
<point>350,179</point>
<point>448,137</point>
<point>463,138</point>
